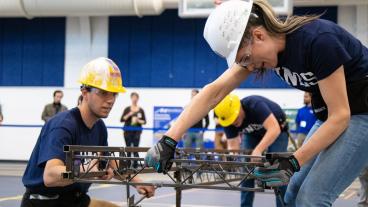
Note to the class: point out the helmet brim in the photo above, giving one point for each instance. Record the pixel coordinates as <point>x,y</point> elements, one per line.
<point>230,59</point>
<point>121,89</point>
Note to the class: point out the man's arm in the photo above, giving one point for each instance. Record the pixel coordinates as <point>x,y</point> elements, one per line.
<point>148,191</point>
<point>234,143</point>
<point>297,120</point>
<point>52,176</point>
<point>45,115</point>
<point>207,121</point>
<point>54,168</point>
<point>273,130</point>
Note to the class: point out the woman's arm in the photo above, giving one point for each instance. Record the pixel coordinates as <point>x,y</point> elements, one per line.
<point>333,90</point>
<point>126,114</point>
<point>142,120</point>
<point>207,99</point>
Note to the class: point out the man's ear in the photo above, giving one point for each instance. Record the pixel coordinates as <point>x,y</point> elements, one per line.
<point>84,93</point>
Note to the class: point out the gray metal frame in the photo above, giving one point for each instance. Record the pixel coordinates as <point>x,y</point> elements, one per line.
<point>192,168</point>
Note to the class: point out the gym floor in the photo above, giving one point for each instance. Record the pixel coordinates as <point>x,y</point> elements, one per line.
<point>11,190</point>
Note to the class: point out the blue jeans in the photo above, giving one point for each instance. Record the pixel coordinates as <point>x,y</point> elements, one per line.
<point>250,142</point>
<point>191,137</point>
<point>321,180</point>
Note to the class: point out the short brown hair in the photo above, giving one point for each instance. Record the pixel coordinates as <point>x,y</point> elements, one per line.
<point>134,94</point>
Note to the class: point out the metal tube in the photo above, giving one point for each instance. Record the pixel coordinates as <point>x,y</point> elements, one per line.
<point>177,176</point>
<point>182,186</point>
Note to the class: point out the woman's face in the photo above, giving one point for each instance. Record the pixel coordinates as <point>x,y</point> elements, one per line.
<point>134,99</point>
<point>260,52</point>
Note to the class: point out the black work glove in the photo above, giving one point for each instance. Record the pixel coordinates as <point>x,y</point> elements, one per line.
<point>159,156</point>
<point>279,173</point>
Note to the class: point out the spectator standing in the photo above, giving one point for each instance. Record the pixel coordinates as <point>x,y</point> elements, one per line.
<point>133,118</point>
<point>195,133</point>
<point>55,107</point>
<point>305,119</point>
<point>1,115</point>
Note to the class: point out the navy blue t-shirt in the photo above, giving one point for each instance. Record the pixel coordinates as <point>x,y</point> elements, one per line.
<point>257,109</point>
<point>65,128</point>
<point>304,120</point>
<point>316,50</point>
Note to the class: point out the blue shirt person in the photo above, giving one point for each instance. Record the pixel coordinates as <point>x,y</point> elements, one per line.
<point>304,119</point>
<point>66,128</point>
<point>262,125</point>
<point>78,126</point>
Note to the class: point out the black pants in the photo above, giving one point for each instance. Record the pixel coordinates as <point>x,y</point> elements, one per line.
<point>132,139</point>
<point>70,199</point>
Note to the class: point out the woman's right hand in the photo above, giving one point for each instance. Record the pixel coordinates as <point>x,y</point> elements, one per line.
<point>134,120</point>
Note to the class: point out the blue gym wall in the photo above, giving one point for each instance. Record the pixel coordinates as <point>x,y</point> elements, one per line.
<point>32,52</point>
<point>153,51</point>
<point>167,51</point>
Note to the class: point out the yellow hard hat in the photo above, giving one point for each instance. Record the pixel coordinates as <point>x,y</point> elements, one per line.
<point>228,110</point>
<point>104,74</point>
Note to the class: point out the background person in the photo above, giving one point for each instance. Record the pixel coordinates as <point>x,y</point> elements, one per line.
<point>196,136</point>
<point>304,119</point>
<point>262,122</point>
<point>55,107</point>
<point>133,118</point>
<point>1,115</point>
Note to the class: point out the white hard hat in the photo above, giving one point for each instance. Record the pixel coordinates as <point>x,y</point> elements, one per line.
<point>225,27</point>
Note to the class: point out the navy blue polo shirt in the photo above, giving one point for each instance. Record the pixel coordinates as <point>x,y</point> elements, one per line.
<point>304,120</point>
<point>65,128</point>
<point>316,50</point>
<point>257,109</point>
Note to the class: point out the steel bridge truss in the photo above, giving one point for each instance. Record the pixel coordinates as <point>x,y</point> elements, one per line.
<point>192,168</point>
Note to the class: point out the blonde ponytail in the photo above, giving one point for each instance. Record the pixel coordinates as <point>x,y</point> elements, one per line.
<point>263,14</point>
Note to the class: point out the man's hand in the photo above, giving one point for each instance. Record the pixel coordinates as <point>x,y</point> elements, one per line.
<point>279,173</point>
<point>257,153</point>
<point>217,2</point>
<point>148,191</point>
<point>109,174</point>
<point>159,156</point>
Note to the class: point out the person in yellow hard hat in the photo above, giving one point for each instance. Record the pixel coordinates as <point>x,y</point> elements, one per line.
<point>100,84</point>
<point>309,54</point>
<point>261,121</point>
